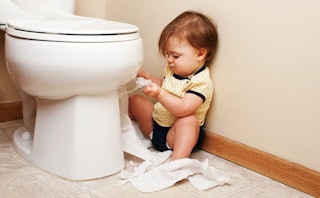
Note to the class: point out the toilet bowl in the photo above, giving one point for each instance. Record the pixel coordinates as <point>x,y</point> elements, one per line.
<point>72,67</point>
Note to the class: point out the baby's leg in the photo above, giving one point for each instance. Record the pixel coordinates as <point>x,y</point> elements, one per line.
<point>183,136</point>
<point>140,110</point>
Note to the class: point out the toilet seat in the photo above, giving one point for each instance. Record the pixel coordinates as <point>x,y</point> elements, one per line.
<point>71,29</point>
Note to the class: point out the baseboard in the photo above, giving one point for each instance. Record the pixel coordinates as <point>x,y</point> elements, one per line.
<point>291,174</point>
<point>10,111</point>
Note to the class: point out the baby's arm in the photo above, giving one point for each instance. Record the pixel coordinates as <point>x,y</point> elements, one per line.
<point>179,107</point>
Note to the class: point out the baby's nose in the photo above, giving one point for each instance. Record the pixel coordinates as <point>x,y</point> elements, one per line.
<point>170,59</point>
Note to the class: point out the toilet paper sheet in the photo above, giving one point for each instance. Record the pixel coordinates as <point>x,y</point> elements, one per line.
<point>200,175</point>
<point>157,172</point>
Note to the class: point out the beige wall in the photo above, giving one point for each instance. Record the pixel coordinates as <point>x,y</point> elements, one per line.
<point>91,8</point>
<point>267,89</point>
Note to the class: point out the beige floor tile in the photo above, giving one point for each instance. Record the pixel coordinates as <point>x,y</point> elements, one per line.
<point>269,189</point>
<point>4,138</point>
<point>18,178</point>
<point>240,177</point>
<point>113,189</point>
<point>110,186</point>
<point>9,127</point>
<point>11,163</point>
<point>36,184</point>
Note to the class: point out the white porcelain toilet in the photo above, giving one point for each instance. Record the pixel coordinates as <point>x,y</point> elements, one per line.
<point>71,67</point>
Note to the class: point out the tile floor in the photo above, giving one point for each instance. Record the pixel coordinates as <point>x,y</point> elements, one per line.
<point>18,178</point>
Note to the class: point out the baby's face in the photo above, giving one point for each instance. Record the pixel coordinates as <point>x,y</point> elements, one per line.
<point>183,59</point>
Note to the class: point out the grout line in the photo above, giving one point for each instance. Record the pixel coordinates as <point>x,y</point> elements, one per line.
<point>85,190</point>
<point>245,189</point>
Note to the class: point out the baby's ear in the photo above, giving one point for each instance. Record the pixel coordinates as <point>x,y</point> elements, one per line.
<point>202,53</point>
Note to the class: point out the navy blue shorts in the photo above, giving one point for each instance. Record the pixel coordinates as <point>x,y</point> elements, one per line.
<point>159,138</point>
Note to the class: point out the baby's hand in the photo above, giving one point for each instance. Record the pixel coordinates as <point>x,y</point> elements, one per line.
<point>152,90</point>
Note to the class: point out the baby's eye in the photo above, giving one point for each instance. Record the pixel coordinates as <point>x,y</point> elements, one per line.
<point>175,56</point>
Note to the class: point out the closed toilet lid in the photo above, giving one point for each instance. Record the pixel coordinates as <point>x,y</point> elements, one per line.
<point>71,29</point>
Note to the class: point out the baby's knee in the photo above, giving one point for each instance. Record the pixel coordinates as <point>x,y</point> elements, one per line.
<point>135,100</point>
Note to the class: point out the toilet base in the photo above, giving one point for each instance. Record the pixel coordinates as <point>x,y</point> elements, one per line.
<point>78,138</point>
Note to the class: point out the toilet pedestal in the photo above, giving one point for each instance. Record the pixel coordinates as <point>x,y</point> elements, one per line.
<point>78,138</point>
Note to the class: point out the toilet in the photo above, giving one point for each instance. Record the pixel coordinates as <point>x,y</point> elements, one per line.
<point>69,69</point>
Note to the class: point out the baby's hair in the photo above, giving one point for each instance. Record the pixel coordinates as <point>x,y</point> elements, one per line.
<point>196,28</point>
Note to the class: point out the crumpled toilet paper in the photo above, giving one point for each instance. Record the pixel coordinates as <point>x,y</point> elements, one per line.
<point>134,143</point>
<point>156,172</point>
<point>200,174</point>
